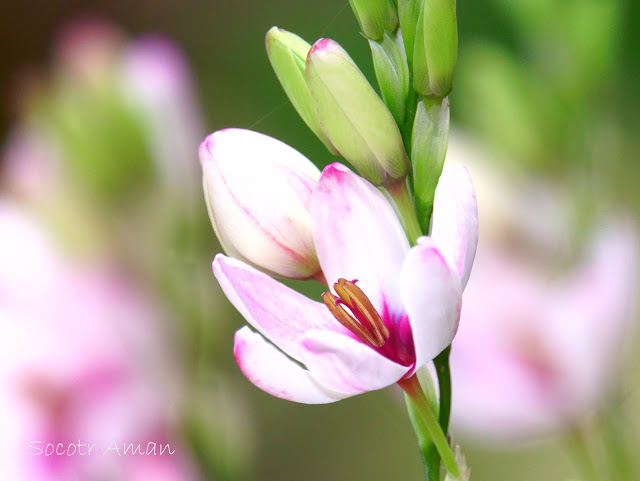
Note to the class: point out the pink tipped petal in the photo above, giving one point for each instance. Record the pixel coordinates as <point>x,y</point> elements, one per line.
<point>279,313</point>
<point>455,219</point>
<point>343,364</point>
<point>356,233</point>
<point>433,299</point>
<point>274,373</point>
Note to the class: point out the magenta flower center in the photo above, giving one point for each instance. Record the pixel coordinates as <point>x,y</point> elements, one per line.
<point>387,333</point>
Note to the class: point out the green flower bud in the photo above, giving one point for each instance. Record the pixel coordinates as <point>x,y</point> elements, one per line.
<point>436,48</point>
<point>288,53</point>
<point>392,73</point>
<point>375,17</point>
<point>356,120</point>
<point>428,150</point>
<point>408,14</point>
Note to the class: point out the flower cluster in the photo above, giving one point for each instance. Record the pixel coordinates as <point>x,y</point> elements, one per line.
<point>393,243</point>
<point>394,295</point>
<point>392,307</point>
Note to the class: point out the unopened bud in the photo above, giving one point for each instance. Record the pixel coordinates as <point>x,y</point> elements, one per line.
<point>288,53</point>
<point>392,73</point>
<point>436,48</point>
<point>356,120</point>
<point>375,17</point>
<point>428,151</point>
<point>408,15</point>
<point>257,191</point>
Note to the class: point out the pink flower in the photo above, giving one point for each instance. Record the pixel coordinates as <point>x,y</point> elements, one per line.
<point>81,361</point>
<point>534,354</point>
<point>156,79</point>
<point>31,164</point>
<point>103,84</point>
<point>392,308</point>
<point>87,49</point>
<point>538,344</point>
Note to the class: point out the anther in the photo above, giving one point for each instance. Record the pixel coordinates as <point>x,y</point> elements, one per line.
<point>364,321</point>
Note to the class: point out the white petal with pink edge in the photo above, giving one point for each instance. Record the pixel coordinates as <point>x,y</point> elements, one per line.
<point>432,296</point>
<point>345,365</point>
<point>455,219</point>
<point>281,314</point>
<point>274,373</point>
<point>357,234</point>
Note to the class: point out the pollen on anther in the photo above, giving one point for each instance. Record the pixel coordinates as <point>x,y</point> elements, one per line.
<point>361,318</point>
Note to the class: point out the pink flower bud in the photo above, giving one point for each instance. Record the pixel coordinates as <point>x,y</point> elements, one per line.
<point>257,191</point>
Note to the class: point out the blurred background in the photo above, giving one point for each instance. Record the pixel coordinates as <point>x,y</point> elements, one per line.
<point>114,327</point>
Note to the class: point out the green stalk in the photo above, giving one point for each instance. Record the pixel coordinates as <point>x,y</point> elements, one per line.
<point>616,442</point>
<point>577,445</point>
<point>430,424</point>
<point>430,456</point>
<point>441,363</point>
<point>398,195</point>
<point>406,129</point>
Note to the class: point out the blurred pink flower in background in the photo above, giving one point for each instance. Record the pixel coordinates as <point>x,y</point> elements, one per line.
<point>157,81</point>
<point>81,114</point>
<point>104,151</point>
<point>31,164</point>
<point>102,164</point>
<point>83,359</point>
<point>88,49</point>
<point>541,336</point>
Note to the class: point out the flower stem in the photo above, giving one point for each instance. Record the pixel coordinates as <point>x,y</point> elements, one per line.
<point>398,195</point>
<point>413,389</point>
<point>577,445</point>
<point>615,439</point>
<point>406,129</point>
<point>441,363</point>
<point>430,456</point>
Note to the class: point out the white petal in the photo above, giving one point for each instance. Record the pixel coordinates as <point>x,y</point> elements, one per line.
<point>455,219</point>
<point>356,233</point>
<point>279,313</point>
<point>345,365</point>
<point>432,297</point>
<point>274,373</point>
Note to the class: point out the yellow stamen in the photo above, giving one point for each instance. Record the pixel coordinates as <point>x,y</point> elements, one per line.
<point>364,322</point>
<point>344,318</point>
<point>365,307</point>
<point>343,294</point>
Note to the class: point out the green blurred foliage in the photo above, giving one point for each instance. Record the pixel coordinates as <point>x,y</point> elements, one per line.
<point>93,122</point>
